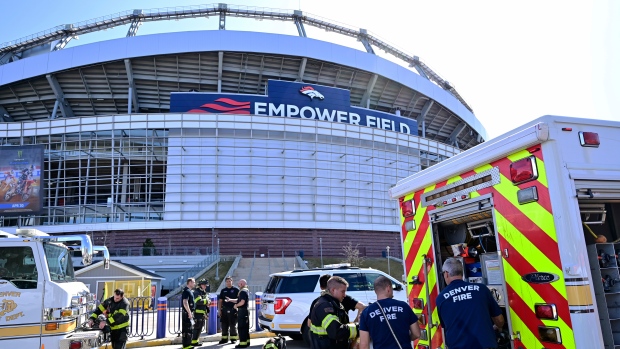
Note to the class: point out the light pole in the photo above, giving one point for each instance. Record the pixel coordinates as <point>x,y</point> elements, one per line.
<point>217,264</point>
<point>388,258</point>
<point>321,244</point>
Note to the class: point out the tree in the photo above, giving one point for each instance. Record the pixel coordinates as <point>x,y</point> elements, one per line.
<point>352,255</point>
<point>147,248</point>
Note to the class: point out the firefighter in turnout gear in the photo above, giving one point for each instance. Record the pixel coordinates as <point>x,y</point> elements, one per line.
<point>226,311</point>
<point>116,310</point>
<point>243,317</point>
<point>330,322</point>
<point>201,299</point>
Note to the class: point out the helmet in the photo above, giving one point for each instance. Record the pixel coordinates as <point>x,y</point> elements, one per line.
<point>203,282</point>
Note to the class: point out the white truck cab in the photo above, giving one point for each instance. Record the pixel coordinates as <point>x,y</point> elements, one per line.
<point>41,302</point>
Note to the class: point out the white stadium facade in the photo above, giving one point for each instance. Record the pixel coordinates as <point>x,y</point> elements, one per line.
<point>264,142</point>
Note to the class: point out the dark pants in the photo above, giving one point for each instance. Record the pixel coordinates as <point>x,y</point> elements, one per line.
<point>186,331</point>
<point>200,323</point>
<point>244,326</point>
<point>118,338</point>
<point>323,342</point>
<point>229,322</point>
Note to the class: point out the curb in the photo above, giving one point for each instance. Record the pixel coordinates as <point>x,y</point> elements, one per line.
<point>177,340</point>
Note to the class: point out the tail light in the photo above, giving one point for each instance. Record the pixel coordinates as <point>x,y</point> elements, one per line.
<point>589,139</point>
<point>550,334</point>
<point>422,346</point>
<point>546,311</point>
<point>280,305</point>
<point>75,345</point>
<point>523,170</point>
<point>418,303</point>
<point>408,209</point>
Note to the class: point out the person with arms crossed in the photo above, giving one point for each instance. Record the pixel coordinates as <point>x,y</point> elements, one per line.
<point>201,299</point>
<point>389,323</point>
<point>188,313</point>
<point>116,310</point>
<point>226,311</point>
<point>243,317</point>
<point>467,311</point>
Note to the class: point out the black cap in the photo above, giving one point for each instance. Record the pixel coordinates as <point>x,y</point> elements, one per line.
<point>203,282</point>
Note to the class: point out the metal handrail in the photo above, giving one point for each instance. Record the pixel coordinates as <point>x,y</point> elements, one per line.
<point>191,272</point>
<point>183,12</point>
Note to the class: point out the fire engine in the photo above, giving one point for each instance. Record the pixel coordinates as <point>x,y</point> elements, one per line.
<point>41,303</point>
<point>534,215</point>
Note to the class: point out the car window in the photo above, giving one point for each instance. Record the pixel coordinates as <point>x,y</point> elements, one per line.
<point>370,280</point>
<point>273,284</point>
<point>356,283</point>
<point>297,284</point>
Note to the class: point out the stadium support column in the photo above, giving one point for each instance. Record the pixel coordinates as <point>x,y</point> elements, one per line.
<point>363,37</point>
<point>220,61</point>
<point>133,103</point>
<point>136,22</point>
<point>297,17</point>
<point>222,8</point>
<point>365,103</point>
<point>422,116</point>
<point>455,133</point>
<point>65,108</point>
<point>302,69</point>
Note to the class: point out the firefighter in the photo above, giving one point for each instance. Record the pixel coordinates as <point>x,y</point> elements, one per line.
<point>243,317</point>
<point>226,311</point>
<point>116,311</point>
<point>330,322</point>
<point>188,313</point>
<point>467,311</point>
<point>201,299</point>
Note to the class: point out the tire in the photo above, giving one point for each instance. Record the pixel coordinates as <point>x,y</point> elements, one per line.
<point>295,336</point>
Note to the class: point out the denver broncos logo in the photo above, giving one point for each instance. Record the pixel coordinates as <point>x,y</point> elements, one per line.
<point>311,92</point>
<point>223,106</point>
<point>7,306</point>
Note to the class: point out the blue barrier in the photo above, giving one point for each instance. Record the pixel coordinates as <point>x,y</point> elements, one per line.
<point>213,319</point>
<point>162,304</point>
<point>257,304</point>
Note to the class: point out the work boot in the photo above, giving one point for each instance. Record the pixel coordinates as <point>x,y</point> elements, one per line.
<point>223,341</point>
<point>233,341</point>
<point>242,346</point>
<point>197,345</point>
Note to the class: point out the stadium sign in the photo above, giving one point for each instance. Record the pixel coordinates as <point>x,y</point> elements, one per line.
<point>292,100</point>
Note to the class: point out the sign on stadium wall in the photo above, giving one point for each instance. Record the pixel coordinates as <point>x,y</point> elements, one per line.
<point>293,100</point>
<point>21,180</point>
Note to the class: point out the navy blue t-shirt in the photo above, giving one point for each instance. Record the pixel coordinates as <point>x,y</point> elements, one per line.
<point>400,315</point>
<point>465,310</point>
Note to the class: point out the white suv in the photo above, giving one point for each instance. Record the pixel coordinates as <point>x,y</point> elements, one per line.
<point>288,295</point>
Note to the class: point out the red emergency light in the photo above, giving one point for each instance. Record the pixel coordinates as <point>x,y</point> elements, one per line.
<point>523,170</point>
<point>546,311</point>
<point>589,139</point>
<point>408,209</point>
<point>418,303</point>
<point>75,345</point>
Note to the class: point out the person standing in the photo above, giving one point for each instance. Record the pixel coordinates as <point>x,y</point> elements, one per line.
<point>467,311</point>
<point>243,317</point>
<point>201,315</point>
<point>388,322</point>
<point>227,313</point>
<point>330,322</point>
<point>188,313</point>
<point>116,310</point>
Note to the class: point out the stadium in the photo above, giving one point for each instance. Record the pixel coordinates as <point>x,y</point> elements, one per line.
<point>244,141</point>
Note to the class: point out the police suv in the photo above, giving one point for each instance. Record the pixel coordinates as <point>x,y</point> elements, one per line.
<point>288,295</point>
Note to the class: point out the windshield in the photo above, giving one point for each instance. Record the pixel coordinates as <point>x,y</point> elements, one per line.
<point>59,262</point>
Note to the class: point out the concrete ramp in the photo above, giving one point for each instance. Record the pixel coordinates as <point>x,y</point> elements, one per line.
<point>256,270</point>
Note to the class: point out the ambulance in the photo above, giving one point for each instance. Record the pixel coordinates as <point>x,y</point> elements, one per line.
<point>42,305</point>
<point>534,215</point>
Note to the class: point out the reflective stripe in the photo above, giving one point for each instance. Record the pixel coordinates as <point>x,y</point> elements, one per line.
<point>200,311</point>
<point>328,320</point>
<point>352,331</point>
<point>123,325</point>
<point>111,320</point>
<point>245,343</point>
<point>101,307</point>
<point>270,346</point>
<point>233,338</point>
<point>195,341</point>
<point>318,330</point>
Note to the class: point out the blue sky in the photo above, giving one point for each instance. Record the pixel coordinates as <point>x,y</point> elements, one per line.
<point>511,61</point>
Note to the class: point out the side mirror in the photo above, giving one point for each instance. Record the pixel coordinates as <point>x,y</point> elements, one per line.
<point>398,287</point>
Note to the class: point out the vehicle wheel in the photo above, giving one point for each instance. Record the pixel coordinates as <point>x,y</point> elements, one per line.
<point>305,333</point>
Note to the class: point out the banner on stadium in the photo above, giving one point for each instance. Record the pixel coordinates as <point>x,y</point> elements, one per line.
<point>21,180</point>
<point>293,100</point>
